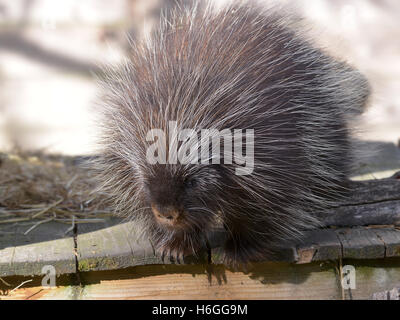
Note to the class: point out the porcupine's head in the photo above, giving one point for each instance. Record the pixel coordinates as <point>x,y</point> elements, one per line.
<point>167,198</point>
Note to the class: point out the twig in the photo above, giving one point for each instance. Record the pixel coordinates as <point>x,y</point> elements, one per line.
<point>47,209</point>
<point>36,224</point>
<point>68,185</point>
<point>5,282</point>
<point>33,206</point>
<point>29,210</point>
<point>20,285</point>
<point>94,220</point>
<point>15,220</point>
<point>70,213</point>
<point>72,227</point>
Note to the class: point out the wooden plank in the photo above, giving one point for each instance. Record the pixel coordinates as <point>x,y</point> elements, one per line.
<point>373,276</point>
<point>7,240</point>
<point>393,294</point>
<point>115,247</point>
<point>384,213</point>
<point>370,191</point>
<point>40,293</point>
<point>262,281</point>
<point>360,243</point>
<point>142,249</point>
<point>391,239</point>
<point>104,249</point>
<point>6,255</point>
<point>319,245</point>
<point>26,254</point>
<point>30,259</point>
<point>369,202</point>
<point>272,280</point>
<point>44,245</point>
<point>266,281</point>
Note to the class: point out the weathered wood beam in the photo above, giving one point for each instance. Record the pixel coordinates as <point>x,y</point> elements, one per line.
<point>371,202</point>
<point>28,254</point>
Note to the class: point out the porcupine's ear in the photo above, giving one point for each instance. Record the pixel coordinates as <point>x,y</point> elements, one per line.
<point>354,86</point>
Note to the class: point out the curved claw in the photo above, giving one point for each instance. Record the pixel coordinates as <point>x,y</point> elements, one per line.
<point>178,258</point>
<point>174,255</point>
<point>176,252</point>
<point>163,256</point>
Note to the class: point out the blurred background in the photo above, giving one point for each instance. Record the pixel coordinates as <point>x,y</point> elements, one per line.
<point>50,49</point>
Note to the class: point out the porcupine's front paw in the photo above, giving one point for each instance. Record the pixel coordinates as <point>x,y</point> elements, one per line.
<point>175,254</point>
<point>177,251</point>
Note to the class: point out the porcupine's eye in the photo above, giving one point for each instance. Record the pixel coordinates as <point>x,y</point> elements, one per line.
<point>191,183</point>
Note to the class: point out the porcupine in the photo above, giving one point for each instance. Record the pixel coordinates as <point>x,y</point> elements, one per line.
<point>239,67</point>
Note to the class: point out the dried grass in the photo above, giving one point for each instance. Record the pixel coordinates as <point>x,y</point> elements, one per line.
<point>40,188</point>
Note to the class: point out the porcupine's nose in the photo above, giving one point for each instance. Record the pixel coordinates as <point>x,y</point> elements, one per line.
<point>167,215</point>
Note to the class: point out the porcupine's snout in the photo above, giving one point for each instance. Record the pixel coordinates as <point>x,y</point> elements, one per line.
<point>168,216</point>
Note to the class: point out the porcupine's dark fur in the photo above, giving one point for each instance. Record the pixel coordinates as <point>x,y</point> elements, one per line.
<point>240,67</point>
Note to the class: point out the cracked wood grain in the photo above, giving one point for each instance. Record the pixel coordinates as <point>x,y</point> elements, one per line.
<point>372,202</point>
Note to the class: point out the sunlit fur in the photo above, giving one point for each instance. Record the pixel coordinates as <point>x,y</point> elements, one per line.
<point>241,67</point>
